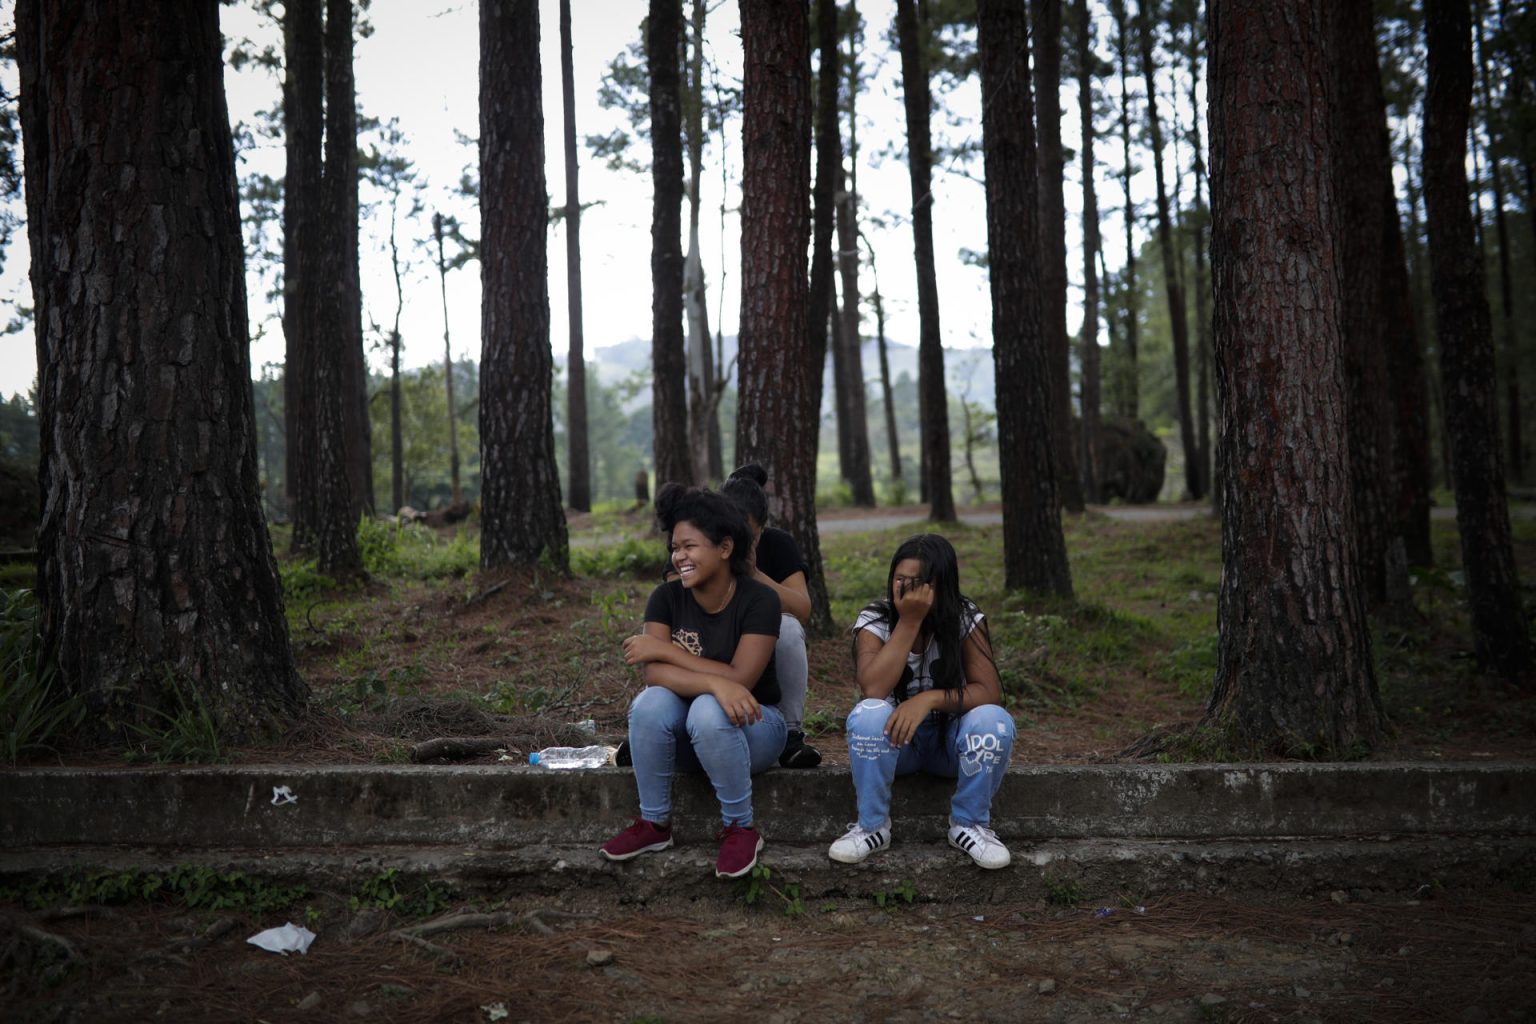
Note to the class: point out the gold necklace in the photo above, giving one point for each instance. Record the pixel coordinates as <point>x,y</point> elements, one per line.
<point>728,595</point>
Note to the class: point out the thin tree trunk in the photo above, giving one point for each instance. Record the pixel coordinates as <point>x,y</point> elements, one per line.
<point>340,302</point>
<point>669,369</point>
<point>823,300</point>
<point>1294,670</point>
<point>1361,178</point>
<point>703,423</point>
<point>1128,376</point>
<point>1034,552</point>
<point>453,409</point>
<point>1088,446</point>
<point>396,432</point>
<point>861,483</point>
<point>578,455</point>
<point>771,426</point>
<point>1508,337</point>
<point>1045,25</point>
<point>1177,317</point>
<point>303,129</point>
<point>1413,467</point>
<point>156,582</point>
<point>933,400</point>
<point>522,522</point>
<point>1202,274</point>
<point>1424,325</point>
<point>892,438</point>
<point>1466,351</point>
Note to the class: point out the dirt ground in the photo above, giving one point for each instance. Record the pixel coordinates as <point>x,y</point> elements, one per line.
<point>1351,958</point>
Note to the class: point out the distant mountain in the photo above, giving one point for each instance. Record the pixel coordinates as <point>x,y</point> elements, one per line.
<point>968,371</point>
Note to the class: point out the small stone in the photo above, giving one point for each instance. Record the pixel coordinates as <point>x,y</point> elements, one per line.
<point>1117,1008</point>
<point>1046,987</point>
<point>1339,896</point>
<point>360,1009</point>
<point>1346,938</point>
<point>599,957</point>
<point>1404,950</point>
<point>309,1002</point>
<point>389,990</point>
<point>1302,993</point>
<point>1212,999</point>
<point>1474,1015</point>
<point>366,922</point>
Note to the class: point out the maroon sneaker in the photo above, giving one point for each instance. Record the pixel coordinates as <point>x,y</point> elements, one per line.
<point>641,837</point>
<point>738,851</point>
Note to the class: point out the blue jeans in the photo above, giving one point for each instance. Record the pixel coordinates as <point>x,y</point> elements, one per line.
<point>973,747</point>
<point>793,670</point>
<point>668,734</point>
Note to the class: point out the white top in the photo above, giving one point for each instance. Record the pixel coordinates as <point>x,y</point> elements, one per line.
<point>919,674</point>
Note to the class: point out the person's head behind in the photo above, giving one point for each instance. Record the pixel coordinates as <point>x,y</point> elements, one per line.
<point>717,518</point>
<point>745,489</point>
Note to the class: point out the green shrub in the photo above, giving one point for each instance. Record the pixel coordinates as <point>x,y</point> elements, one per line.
<point>33,703</point>
<point>629,557</point>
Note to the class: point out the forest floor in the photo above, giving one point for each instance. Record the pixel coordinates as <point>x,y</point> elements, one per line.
<point>430,648</point>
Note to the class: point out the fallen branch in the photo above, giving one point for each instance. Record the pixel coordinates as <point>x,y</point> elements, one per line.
<point>454,748</point>
<point>503,919</point>
<point>43,938</point>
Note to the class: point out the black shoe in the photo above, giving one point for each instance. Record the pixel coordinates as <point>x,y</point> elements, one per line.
<point>621,756</point>
<point>797,754</point>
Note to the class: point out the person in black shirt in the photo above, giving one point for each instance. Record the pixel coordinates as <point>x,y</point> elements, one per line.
<point>778,563</point>
<point>707,656</point>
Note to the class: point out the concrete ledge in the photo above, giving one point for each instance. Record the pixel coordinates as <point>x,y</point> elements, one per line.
<point>515,807</point>
<point>1081,871</point>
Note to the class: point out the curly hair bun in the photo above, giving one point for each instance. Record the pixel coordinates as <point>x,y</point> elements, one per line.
<point>668,497</point>
<point>752,471</point>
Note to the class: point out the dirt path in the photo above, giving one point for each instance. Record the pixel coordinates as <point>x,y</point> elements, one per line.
<point>1362,958</point>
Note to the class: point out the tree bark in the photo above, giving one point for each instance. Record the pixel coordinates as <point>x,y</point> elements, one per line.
<point>339,303</point>
<point>860,479</point>
<point>453,409</point>
<point>1412,465</point>
<point>1466,351</point>
<point>829,158</point>
<point>1294,671</point>
<point>703,396</point>
<point>1361,181</point>
<point>1202,273</point>
<point>1087,446</point>
<point>1177,316</point>
<point>933,399</point>
<point>775,365</point>
<point>669,368</point>
<point>892,437</point>
<point>1034,553</point>
<point>156,579</point>
<point>1127,377</point>
<point>577,453</point>
<point>522,522</point>
<point>1045,24</point>
<point>303,129</point>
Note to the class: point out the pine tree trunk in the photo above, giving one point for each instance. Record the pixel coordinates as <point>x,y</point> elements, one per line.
<point>829,158</point>
<point>1294,671</point>
<point>1361,176</point>
<point>577,454</point>
<point>1087,445</point>
<point>861,482</point>
<point>1413,466</point>
<point>892,437</point>
<point>703,422</point>
<point>396,432</point>
<point>156,579</point>
<point>1177,316</point>
<point>1202,273</point>
<point>341,303</point>
<point>448,369</point>
<point>1045,23</point>
<point>522,522</point>
<point>1466,351</point>
<point>303,130</point>
<point>1034,553</point>
<point>1128,382</point>
<point>933,399</point>
<point>669,367</point>
<point>775,365</point>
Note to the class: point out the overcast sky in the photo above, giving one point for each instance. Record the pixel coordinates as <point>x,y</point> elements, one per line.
<point>420,66</point>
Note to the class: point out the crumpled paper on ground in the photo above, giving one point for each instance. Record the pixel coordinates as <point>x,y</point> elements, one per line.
<point>284,940</point>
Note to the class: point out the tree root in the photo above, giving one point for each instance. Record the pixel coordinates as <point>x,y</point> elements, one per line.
<point>533,919</point>
<point>454,748</point>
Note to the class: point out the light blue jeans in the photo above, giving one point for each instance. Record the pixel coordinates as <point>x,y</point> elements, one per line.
<point>794,671</point>
<point>973,747</point>
<point>669,734</point>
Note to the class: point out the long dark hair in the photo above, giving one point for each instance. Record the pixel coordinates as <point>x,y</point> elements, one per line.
<point>745,489</point>
<point>952,616</point>
<point>712,515</point>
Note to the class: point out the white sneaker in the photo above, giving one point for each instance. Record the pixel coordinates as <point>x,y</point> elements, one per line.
<point>981,843</point>
<point>858,843</point>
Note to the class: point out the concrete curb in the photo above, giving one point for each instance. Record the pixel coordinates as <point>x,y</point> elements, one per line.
<point>1098,830</point>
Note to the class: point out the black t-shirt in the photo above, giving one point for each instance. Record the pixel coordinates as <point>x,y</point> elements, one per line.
<point>753,609</point>
<point>778,555</point>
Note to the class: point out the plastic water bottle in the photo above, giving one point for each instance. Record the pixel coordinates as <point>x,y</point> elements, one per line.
<point>572,757</point>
